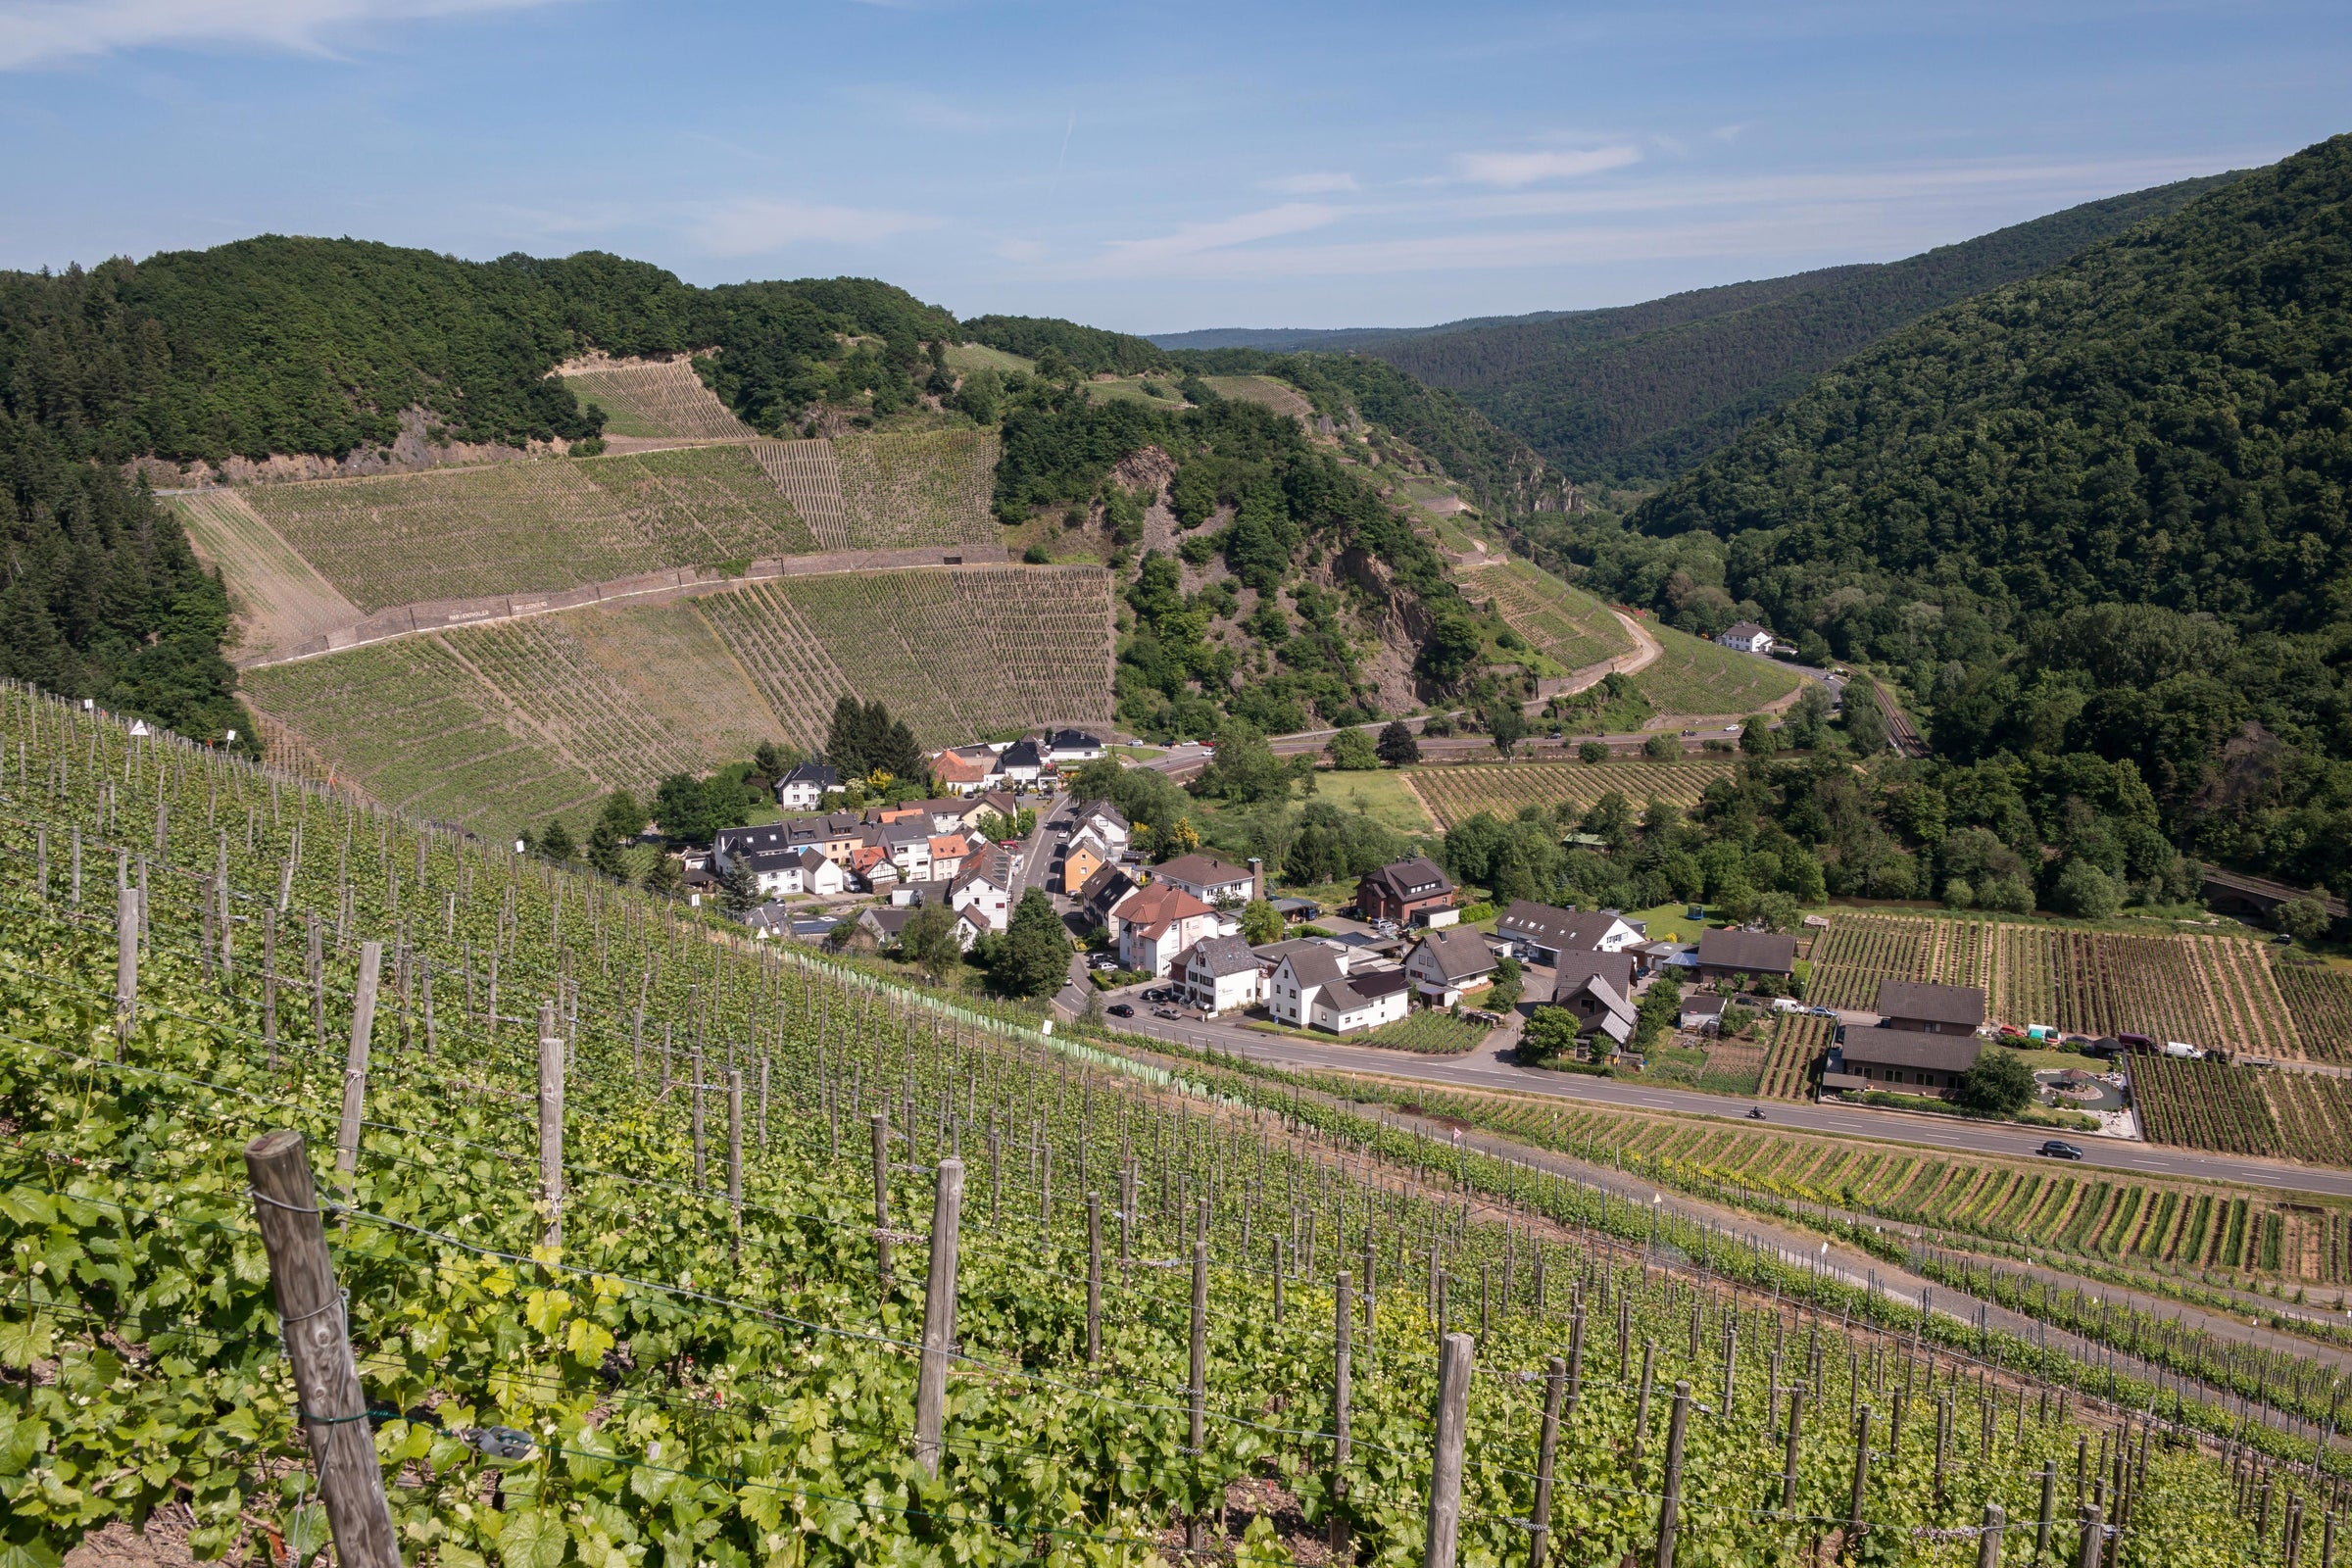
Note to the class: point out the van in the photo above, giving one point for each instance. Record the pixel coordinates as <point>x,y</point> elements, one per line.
<point>2182,1048</point>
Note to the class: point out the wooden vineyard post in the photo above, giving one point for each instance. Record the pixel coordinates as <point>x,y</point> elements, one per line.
<point>126,969</point>
<point>1650,1357</point>
<point>695,1065</point>
<point>1343,1377</point>
<point>1797,1434</point>
<point>1446,1463</point>
<point>551,1129</point>
<point>1576,1356</point>
<point>354,1064</point>
<point>1853,1512</point>
<point>2093,1537</point>
<point>269,986</point>
<point>2049,1502</point>
<point>326,1380</point>
<point>1197,1534</point>
<point>1093,1279</point>
<point>315,976</point>
<point>1989,1543</point>
<point>1669,1505</point>
<point>1547,1447</point>
<point>735,1149</point>
<point>881,1130</point>
<point>939,1317</point>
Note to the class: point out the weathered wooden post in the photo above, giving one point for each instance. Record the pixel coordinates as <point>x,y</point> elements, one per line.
<point>1797,1433</point>
<point>1093,1279</point>
<point>1853,1512</point>
<point>326,1380</point>
<point>1989,1540</point>
<point>354,1063</point>
<point>1669,1505</point>
<point>1650,1359</point>
<point>1342,1380</point>
<point>1197,1534</point>
<point>2049,1500</point>
<point>126,969</point>
<point>1445,1464</point>
<point>939,1317</point>
<point>1547,1447</point>
<point>2093,1537</point>
<point>550,1128</point>
<point>880,1124</point>
<point>735,1147</point>
<point>269,985</point>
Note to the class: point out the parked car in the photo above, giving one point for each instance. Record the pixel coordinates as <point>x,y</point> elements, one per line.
<point>1825,1012</point>
<point>1165,1012</point>
<point>1120,1009</point>
<point>2057,1148</point>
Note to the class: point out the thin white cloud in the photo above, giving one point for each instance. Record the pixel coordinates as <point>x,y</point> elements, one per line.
<point>1327,183</point>
<point>751,225</point>
<point>1533,167</point>
<point>1021,250</point>
<point>1192,240</point>
<point>43,32</point>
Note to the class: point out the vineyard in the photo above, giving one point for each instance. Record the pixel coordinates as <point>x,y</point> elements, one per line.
<point>1799,1043</point>
<point>2320,1002</point>
<point>917,488</point>
<point>655,398</point>
<point>1694,678</point>
<point>541,525</point>
<point>1460,791</point>
<point>1573,629</point>
<point>2245,1110</point>
<point>493,726</point>
<point>2206,990</point>
<point>1427,1032</point>
<point>279,599</point>
<point>622,1274</point>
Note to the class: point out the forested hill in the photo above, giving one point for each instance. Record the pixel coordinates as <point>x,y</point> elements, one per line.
<point>2161,423</point>
<point>1647,392</point>
<point>307,346</point>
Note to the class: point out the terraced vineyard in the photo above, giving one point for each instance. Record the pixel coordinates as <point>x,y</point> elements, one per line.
<point>920,487</point>
<point>2245,1110</point>
<point>498,725</point>
<point>280,601</point>
<point>1694,678</point>
<point>684,1343</point>
<point>655,398</point>
<point>2206,990</point>
<point>1572,628</point>
<point>1457,790</point>
<point>539,525</point>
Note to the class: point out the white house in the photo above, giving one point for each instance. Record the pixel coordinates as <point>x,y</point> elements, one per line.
<point>1362,1002</point>
<point>777,865</point>
<point>1449,963</point>
<point>1219,975</point>
<point>804,788</point>
<point>1157,923</point>
<point>1748,637</point>
<point>967,770</point>
<point>819,875</point>
<point>984,888</point>
<point>1104,823</point>
<point>1210,879</point>
<point>1065,746</point>
<point>1549,932</point>
<point>1023,764</point>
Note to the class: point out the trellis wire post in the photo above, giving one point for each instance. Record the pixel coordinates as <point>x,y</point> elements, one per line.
<point>939,1316</point>
<point>550,1128</point>
<point>1670,1503</point>
<point>1547,1447</point>
<point>1197,1535</point>
<point>880,1125</point>
<point>1989,1540</point>
<point>354,1063</point>
<point>126,969</point>
<point>2093,1536</point>
<point>2049,1503</point>
<point>269,986</point>
<point>1343,1377</point>
<point>1795,1436</point>
<point>735,1147</point>
<point>1446,1463</point>
<point>1853,1512</point>
<point>311,1316</point>
<point>1093,1279</point>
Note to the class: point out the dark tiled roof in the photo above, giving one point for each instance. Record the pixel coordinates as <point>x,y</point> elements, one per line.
<point>1575,968</point>
<point>1562,930</point>
<point>1202,870</point>
<point>1417,878</point>
<point>1219,955</point>
<point>1460,952</point>
<point>1913,999</point>
<point>1909,1048</point>
<point>1318,966</point>
<point>1768,951</point>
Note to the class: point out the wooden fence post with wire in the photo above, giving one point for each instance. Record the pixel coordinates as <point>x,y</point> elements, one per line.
<point>1446,1462</point>
<point>355,1061</point>
<point>939,1317</point>
<point>550,1128</point>
<point>310,1313</point>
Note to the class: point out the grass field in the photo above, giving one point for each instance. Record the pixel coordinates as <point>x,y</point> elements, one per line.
<point>493,726</point>
<point>532,527</point>
<point>1571,629</point>
<point>1280,396</point>
<point>1464,790</point>
<point>965,358</point>
<point>655,398</point>
<point>1694,678</point>
<point>1384,795</point>
<point>2205,990</point>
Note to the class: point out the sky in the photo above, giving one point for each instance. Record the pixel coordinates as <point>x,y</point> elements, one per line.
<point>1142,167</point>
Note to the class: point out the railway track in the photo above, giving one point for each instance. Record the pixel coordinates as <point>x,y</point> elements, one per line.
<point>1899,729</point>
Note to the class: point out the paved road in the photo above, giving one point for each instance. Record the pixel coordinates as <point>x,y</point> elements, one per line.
<point>1485,1069</point>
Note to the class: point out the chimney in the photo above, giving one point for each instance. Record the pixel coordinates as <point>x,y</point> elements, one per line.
<point>1257,877</point>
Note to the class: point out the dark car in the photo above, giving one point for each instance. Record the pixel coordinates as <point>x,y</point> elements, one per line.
<point>2056,1149</point>
<point>1120,1009</point>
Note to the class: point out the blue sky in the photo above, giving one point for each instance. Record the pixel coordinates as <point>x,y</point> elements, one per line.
<point>1144,166</point>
